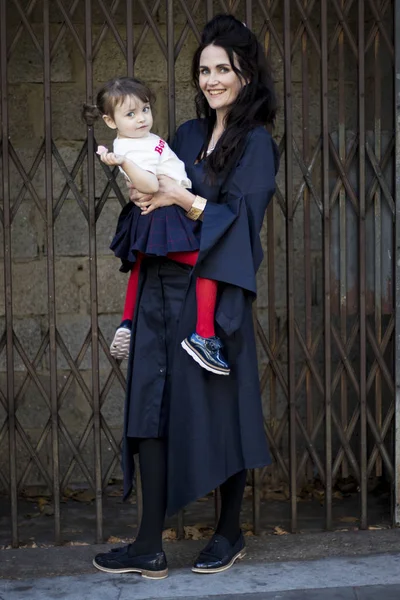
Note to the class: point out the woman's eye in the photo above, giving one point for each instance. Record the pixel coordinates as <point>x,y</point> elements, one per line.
<point>224,70</point>
<point>204,71</point>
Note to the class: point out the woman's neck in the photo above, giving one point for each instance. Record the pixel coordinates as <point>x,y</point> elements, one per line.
<point>219,122</point>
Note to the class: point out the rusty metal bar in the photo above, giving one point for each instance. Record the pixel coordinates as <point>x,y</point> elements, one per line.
<point>378,239</point>
<point>272,326</point>
<point>396,512</point>
<point>171,68</point>
<point>362,264</point>
<point>51,272</point>
<point>217,505</point>
<point>171,132</point>
<point>93,280</point>
<point>256,483</point>
<point>326,262</point>
<point>307,235</point>
<point>130,61</point>
<point>290,260</point>
<point>12,445</point>
<point>181,525</point>
<point>343,236</point>
<point>249,13</point>
<point>209,9</point>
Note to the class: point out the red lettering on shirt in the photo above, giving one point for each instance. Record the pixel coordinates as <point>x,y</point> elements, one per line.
<point>160,147</point>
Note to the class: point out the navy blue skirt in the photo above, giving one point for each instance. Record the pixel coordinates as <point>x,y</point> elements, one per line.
<point>166,229</point>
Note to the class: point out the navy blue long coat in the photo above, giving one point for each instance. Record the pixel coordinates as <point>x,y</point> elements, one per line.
<point>213,424</point>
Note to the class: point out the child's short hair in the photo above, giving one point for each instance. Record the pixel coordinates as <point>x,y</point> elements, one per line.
<point>112,94</point>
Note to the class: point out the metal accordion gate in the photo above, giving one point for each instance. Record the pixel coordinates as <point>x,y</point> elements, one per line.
<point>326,316</point>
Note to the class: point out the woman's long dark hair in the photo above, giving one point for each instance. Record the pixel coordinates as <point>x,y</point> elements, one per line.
<point>256,102</point>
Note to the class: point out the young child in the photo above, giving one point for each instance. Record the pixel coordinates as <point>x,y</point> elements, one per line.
<point>124,103</point>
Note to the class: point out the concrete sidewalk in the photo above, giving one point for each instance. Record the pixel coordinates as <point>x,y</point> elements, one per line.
<point>361,578</point>
<point>354,565</point>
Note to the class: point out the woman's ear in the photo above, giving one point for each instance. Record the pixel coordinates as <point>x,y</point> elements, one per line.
<point>109,121</point>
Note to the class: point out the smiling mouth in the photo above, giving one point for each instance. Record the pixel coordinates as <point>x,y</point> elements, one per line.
<point>216,92</point>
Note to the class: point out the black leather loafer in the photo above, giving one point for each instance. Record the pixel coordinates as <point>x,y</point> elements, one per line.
<point>219,555</point>
<point>152,566</point>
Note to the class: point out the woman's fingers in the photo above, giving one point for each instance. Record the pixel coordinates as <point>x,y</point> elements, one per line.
<point>136,196</point>
<point>144,204</point>
<point>148,209</point>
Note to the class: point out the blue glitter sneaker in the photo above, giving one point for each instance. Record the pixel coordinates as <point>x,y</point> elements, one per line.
<point>119,348</point>
<point>207,353</point>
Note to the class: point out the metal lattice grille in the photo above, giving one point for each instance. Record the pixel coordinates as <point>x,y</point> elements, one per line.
<point>325,316</point>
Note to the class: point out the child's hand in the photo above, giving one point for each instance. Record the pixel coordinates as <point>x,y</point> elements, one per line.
<point>111,159</point>
<point>101,149</point>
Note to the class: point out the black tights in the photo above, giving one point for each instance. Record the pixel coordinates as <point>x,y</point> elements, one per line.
<point>153,472</point>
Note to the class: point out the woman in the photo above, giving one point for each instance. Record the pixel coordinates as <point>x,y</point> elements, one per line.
<point>193,430</point>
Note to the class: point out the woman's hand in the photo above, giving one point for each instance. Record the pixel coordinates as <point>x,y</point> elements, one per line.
<point>135,196</point>
<point>168,194</point>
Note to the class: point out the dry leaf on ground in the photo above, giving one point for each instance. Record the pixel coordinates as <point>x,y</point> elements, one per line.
<point>47,510</point>
<point>169,535</point>
<point>33,491</point>
<point>193,533</point>
<point>77,544</point>
<point>198,532</point>
<point>84,496</point>
<point>279,531</point>
<point>248,491</point>
<point>114,493</point>
<point>338,495</point>
<point>116,540</point>
<point>348,519</point>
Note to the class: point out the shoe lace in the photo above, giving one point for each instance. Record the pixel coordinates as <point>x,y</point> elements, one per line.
<point>214,344</point>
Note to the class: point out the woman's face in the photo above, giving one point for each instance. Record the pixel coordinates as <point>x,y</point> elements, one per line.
<point>217,80</point>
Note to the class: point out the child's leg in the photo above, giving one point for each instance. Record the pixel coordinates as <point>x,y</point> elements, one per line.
<point>121,343</point>
<point>206,295</point>
<point>131,290</point>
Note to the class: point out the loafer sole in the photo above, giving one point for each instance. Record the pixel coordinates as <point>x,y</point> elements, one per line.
<point>237,556</point>
<point>201,361</point>
<point>143,572</point>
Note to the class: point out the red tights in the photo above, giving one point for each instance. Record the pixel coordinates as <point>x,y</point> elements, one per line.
<point>206,293</point>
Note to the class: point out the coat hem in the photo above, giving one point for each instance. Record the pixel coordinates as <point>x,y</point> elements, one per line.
<point>174,509</point>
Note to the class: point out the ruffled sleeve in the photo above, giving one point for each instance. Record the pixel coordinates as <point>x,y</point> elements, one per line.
<point>231,250</point>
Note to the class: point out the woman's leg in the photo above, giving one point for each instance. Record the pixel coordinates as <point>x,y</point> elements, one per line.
<point>227,544</point>
<point>231,502</point>
<point>145,555</point>
<point>153,473</point>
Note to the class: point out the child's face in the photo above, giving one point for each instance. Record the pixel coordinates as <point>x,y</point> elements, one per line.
<point>132,118</point>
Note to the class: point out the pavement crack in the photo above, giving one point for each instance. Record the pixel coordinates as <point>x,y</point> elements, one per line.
<point>119,588</point>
